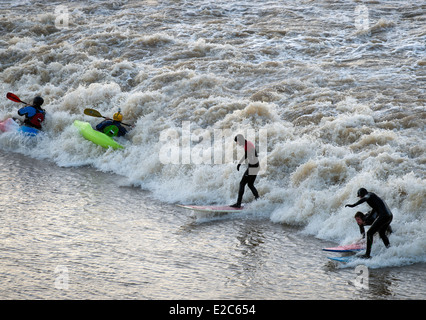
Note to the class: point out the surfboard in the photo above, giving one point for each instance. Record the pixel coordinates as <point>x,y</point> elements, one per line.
<point>347,248</point>
<point>213,209</point>
<point>343,259</point>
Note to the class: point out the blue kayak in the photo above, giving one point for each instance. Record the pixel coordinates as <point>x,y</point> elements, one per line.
<point>9,125</point>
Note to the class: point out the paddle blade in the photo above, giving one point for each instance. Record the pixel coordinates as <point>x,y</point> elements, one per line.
<point>13,97</point>
<point>92,113</point>
<point>95,113</point>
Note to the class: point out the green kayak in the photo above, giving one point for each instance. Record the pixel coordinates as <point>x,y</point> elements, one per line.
<point>95,136</point>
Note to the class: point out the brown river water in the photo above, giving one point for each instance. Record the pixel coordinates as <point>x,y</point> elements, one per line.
<point>331,92</point>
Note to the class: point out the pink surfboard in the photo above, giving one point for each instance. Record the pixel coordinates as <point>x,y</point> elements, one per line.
<point>348,248</point>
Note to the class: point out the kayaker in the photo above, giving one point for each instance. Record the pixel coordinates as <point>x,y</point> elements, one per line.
<point>250,174</point>
<point>380,223</point>
<point>112,128</point>
<point>34,114</point>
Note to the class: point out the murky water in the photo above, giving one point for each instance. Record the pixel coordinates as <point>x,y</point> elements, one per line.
<point>76,233</point>
<point>333,95</point>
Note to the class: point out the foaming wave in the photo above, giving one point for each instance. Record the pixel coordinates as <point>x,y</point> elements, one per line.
<point>339,112</point>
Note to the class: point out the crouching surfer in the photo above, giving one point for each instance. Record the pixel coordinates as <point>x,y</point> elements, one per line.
<point>112,128</point>
<point>383,218</point>
<point>367,220</point>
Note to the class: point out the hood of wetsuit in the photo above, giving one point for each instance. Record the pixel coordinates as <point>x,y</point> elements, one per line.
<point>362,192</point>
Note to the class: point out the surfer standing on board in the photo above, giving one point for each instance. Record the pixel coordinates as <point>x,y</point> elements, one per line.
<point>250,174</point>
<point>381,223</point>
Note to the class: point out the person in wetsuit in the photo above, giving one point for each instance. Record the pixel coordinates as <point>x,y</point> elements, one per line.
<point>367,220</point>
<point>250,174</point>
<point>112,128</point>
<point>34,114</point>
<point>380,223</point>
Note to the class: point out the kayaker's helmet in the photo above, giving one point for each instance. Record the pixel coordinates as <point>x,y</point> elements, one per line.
<point>362,192</point>
<point>117,116</point>
<point>38,101</point>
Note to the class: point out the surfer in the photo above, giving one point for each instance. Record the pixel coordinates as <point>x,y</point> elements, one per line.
<point>250,174</point>
<point>112,127</point>
<point>34,114</point>
<point>380,223</point>
<point>367,220</point>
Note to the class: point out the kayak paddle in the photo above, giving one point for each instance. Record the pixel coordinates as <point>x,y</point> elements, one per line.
<point>15,98</point>
<point>95,113</point>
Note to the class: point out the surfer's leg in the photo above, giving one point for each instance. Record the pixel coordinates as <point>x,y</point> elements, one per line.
<point>370,234</point>
<point>383,231</point>
<point>379,225</point>
<point>243,183</point>
<point>250,184</point>
<point>241,192</point>
<point>369,244</point>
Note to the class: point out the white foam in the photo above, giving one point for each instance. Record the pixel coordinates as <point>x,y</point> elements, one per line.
<point>318,91</point>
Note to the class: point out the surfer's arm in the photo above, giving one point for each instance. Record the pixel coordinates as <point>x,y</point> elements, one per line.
<point>362,231</point>
<point>357,203</point>
<point>243,159</point>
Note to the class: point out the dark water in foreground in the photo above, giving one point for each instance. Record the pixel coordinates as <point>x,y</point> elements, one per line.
<point>76,233</point>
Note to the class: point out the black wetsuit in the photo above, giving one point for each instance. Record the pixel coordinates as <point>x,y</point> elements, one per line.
<point>381,223</point>
<point>368,220</point>
<point>251,173</point>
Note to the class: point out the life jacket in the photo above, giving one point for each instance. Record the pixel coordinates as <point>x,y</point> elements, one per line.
<point>33,116</point>
<point>37,119</point>
<point>111,128</point>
